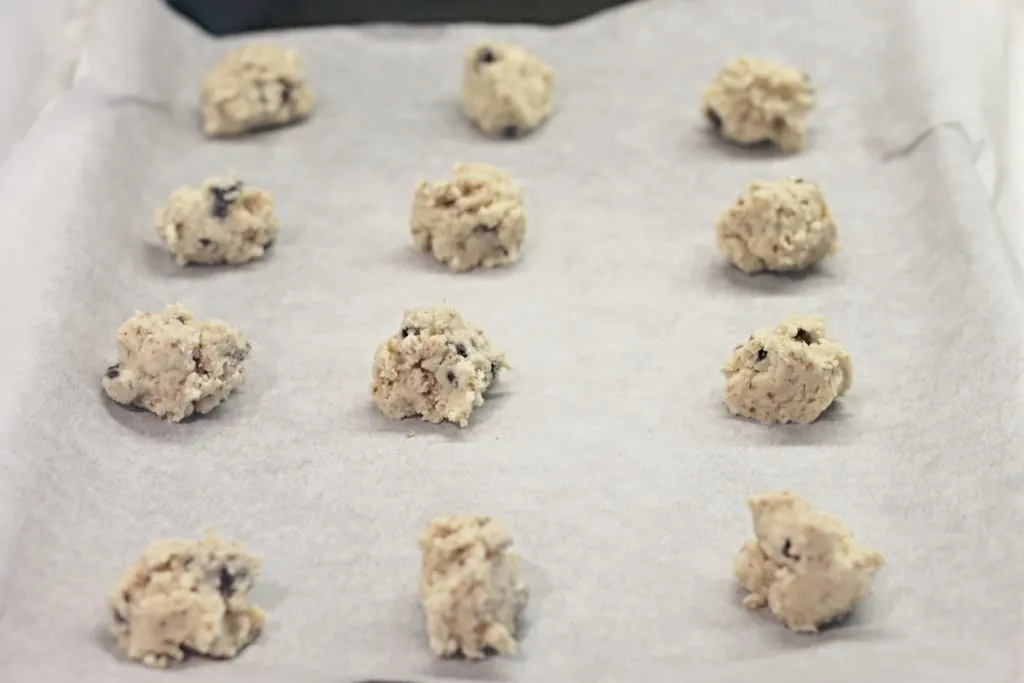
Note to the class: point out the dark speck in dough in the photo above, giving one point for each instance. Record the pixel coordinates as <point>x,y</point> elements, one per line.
<point>510,132</point>
<point>226,582</point>
<point>761,355</point>
<point>113,371</point>
<point>197,357</point>
<point>804,336</point>
<point>486,56</point>
<point>713,118</point>
<point>223,198</point>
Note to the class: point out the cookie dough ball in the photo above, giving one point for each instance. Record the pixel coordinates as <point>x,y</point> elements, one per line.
<point>789,373</point>
<point>221,222</point>
<point>782,225</point>
<point>184,596</point>
<point>506,91</point>
<point>437,365</point>
<point>174,365</point>
<point>804,564</point>
<point>256,87</point>
<point>473,220</point>
<point>752,101</point>
<point>470,586</point>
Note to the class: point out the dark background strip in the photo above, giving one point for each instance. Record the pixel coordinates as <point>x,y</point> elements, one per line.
<point>222,17</point>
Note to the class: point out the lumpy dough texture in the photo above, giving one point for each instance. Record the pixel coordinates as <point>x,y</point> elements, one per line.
<point>506,91</point>
<point>789,373</point>
<point>437,365</point>
<point>475,219</point>
<point>184,596</point>
<point>221,222</point>
<point>255,87</point>
<point>804,564</point>
<point>470,586</point>
<point>782,225</point>
<point>751,101</point>
<point>174,365</point>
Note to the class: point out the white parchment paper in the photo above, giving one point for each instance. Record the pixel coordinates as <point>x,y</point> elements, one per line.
<point>607,449</point>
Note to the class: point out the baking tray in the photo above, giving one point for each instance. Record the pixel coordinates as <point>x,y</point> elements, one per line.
<point>607,449</point>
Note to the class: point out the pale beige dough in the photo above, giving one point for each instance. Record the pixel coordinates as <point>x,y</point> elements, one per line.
<point>470,585</point>
<point>255,87</point>
<point>473,220</point>
<point>506,91</point>
<point>183,596</point>
<point>174,365</point>
<point>804,563</point>
<point>781,225</point>
<point>221,222</point>
<point>437,366</point>
<point>789,373</point>
<point>751,101</point>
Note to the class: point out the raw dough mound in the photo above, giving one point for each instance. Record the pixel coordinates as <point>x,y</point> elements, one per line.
<point>804,563</point>
<point>506,91</point>
<point>475,219</point>
<point>751,101</point>
<point>779,225</point>
<point>255,87</point>
<point>789,373</point>
<point>185,596</point>
<point>470,586</point>
<point>437,365</point>
<point>221,222</point>
<point>174,365</point>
